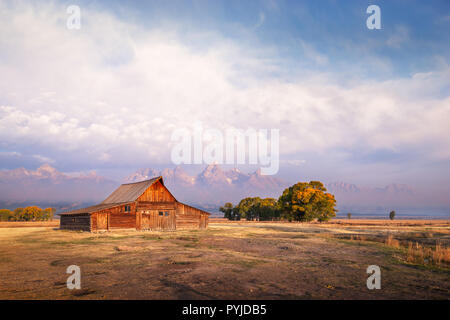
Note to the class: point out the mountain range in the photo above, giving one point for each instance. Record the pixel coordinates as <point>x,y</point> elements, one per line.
<point>209,189</point>
<point>47,186</point>
<point>213,185</point>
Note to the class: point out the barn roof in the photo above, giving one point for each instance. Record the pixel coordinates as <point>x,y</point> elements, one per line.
<point>126,193</point>
<point>91,208</point>
<point>130,191</point>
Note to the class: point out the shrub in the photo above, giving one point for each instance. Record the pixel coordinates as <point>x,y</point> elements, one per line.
<point>392,215</point>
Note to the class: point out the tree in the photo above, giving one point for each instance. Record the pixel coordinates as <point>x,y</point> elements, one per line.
<point>307,201</point>
<point>5,214</point>
<point>247,208</point>
<point>32,213</point>
<point>227,210</point>
<point>349,215</point>
<point>49,213</point>
<point>266,209</point>
<point>252,209</point>
<point>17,214</point>
<point>392,215</point>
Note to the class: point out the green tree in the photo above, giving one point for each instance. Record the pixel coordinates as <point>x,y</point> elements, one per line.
<point>5,214</point>
<point>246,208</point>
<point>227,210</point>
<point>349,215</point>
<point>307,201</point>
<point>266,209</point>
<point>392,215</point>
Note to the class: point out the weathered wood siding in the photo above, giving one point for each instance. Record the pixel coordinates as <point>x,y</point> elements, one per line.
<point>191,218</point>
<point>114,218</point>
<point>157,192</point>
<point>158,220</point>
<point>75,222</point>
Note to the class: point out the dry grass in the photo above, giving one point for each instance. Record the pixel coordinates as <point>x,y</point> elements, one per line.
<point>417,253</point>
<point>391,242</point>
<point>226,261</point>
<point>437,256</point>
<point>420,251</point>
<point>29,224</point>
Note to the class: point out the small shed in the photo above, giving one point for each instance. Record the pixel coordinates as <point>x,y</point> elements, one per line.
<point>145,205</point>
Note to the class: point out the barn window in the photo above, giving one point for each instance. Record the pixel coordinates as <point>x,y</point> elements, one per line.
<point>166,214</point>
<point>127,208</point>
<point>161,213</point>
<point>73,219</point>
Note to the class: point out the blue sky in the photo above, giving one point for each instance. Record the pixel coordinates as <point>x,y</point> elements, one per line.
<point>334,28</point>
<point>352,104</point>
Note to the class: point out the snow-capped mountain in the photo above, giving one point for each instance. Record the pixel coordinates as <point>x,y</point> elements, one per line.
<point>213,184</point>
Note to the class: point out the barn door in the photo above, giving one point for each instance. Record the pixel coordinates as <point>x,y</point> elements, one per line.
<point>165,220</point>
<point>202,221</point>
<point>146,218</point>
<point>102,221</point>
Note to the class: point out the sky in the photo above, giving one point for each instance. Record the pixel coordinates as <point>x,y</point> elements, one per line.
<point>370,107</point>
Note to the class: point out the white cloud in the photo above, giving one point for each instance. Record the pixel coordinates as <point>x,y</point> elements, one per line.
<point>295,163</point>
<point>43,159</point>
<point>261,19</point>
<point>312,54</point>
<point>114,92</point>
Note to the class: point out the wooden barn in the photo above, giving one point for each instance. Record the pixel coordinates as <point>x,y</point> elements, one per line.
<point>145,205</point>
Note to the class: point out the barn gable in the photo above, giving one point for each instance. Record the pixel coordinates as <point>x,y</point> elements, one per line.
<point>130,191</point>
<point>157,192</point>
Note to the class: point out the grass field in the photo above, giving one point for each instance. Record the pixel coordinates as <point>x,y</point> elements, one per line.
<point>238,260</point>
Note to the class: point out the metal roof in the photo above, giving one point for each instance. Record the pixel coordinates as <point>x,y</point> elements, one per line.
<point>129,192</point>
<point>126,193</point>
<point>95,208</point>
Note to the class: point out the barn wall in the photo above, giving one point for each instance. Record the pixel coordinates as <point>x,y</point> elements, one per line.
<point>121,220</point>
<point>75,222</point>
<point>156,205</point>
<point>152,220</point>
<point>191,218</point>
<point>118,218</point>
<point>94,222</point>
<point>147,215</point>
<point>157,192</point>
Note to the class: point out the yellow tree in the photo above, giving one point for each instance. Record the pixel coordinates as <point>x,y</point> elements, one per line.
<point>307,201</point>
<point>32,213</point>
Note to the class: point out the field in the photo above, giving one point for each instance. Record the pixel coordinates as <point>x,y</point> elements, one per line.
<point>230,260</point>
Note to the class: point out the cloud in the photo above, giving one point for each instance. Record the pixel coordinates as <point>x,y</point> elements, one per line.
<point>261,19</point>
<point>43,159</point>
<point>113,92</point>
<point>398,37</point>
<point>295,163</point>
<point>312,54</point>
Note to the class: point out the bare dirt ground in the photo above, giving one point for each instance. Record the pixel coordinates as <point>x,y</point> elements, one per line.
<point>226,261</point>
